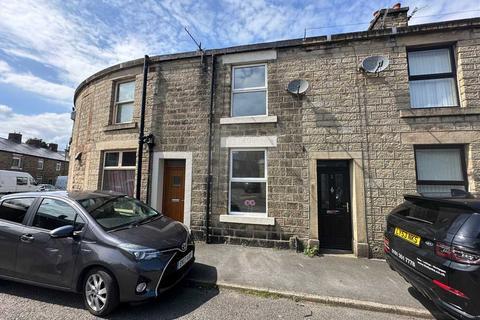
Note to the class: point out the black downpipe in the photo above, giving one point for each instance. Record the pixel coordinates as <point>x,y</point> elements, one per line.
<point>141,136</point>
<point>209,165</point>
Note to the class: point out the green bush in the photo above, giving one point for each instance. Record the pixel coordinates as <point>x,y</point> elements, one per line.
<point>310,251</point>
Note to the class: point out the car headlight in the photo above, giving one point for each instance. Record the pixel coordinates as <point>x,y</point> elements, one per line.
<point>138,252</point>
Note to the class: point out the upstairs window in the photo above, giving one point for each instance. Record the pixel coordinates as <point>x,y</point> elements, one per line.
<point>248,182</point>
<point>119,171</point>
<point>249,91</point>
<point>58,166</point>
<point>16,162</point>
<point>40,164</point>
<point>432,78</point>
<point>440,169</point>
<point>124,98</point>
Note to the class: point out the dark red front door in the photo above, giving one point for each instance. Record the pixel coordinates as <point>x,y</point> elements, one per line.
<point>174,189</point>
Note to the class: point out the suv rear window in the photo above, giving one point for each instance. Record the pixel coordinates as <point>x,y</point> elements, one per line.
<point>440,216</point>
<point>14,210</point>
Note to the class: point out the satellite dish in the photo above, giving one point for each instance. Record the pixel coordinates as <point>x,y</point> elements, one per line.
<point>374,64</point>
<point>297,86</point>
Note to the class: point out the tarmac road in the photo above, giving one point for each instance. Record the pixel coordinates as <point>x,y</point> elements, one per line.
<point>18,301</point>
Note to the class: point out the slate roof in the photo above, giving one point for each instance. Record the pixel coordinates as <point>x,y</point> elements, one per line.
<point>23,148</point>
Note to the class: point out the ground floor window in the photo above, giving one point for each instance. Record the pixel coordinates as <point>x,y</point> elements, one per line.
<point>248,181</point>
<point>440,169</point>
<point>119,171</point>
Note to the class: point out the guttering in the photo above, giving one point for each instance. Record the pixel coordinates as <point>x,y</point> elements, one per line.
<point>141,133</point>
<point>209,164</point>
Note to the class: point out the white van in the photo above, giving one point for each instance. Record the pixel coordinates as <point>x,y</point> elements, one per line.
<point>61,183</point>
<point>16,181</point>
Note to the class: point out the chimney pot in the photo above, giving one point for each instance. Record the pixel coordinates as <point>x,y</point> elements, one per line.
<point>34,142</point>
<point>53,147</point>
<point>15,137</point>
<point>397,5</point>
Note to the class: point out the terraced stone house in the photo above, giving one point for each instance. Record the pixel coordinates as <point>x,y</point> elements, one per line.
<point>241,160</point>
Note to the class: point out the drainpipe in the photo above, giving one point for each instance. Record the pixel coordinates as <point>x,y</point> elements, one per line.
<point>209,165</point>
<point>141,136</point>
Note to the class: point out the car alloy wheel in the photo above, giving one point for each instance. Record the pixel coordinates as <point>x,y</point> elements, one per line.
<point>96,292</point>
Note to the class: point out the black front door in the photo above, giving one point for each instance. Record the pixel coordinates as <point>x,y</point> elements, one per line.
<point>334,215</point>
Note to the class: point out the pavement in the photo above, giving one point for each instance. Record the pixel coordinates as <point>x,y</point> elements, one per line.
<point>341,280</point>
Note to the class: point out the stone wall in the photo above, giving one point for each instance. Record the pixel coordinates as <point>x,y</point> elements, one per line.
<point>344,111</point>
<point>49,172</point>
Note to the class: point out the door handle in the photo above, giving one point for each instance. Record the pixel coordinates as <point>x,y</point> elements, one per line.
<point>27,238</point>
<point>348,207</point>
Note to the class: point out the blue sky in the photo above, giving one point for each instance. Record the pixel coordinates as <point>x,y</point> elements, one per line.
<point>48,47</point>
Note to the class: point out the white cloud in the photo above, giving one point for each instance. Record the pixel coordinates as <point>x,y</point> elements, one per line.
<point>32,83</point>
<point>77,39</point>
<point>51,127</point>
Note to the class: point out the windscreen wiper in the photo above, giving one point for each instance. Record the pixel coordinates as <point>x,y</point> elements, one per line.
<point>148,219</point>
<point>418,219</point>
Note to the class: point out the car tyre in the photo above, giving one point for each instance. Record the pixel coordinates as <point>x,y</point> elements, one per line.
<point>100,292</point>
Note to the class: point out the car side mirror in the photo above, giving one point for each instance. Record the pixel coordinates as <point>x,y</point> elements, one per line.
<point>62,232</point>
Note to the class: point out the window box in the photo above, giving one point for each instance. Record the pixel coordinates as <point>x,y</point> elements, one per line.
<point>432,77</point>
<point>249,91</point>
<point>249,119</point>
<point>440,168</point>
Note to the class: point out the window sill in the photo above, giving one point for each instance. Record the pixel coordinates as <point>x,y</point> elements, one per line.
<point>266,221</point>
<point>249,119</point>
<point>438,112</point>
<point>120,126</point>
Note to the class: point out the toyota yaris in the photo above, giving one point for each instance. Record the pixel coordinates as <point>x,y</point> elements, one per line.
<point>107,246</point>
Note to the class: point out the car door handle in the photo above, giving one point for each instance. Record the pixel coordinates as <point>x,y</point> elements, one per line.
<point>27,238</point>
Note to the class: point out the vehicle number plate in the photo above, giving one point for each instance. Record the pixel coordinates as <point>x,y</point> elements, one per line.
<point>184,260</point>
<point>407,236</point>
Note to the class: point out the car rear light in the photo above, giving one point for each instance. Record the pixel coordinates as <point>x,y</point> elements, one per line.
<point>456,254</point>
<point>386,245</point>
<point>450,289</point>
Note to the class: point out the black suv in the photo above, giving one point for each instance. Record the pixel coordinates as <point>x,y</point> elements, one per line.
<point>107,246</point>
<point>435,245</point>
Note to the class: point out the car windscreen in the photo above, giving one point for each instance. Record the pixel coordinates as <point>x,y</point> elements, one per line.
<point>117,212</point>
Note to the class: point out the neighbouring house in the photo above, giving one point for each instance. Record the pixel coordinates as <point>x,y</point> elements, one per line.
<point>323,168</point>
<point>43,161</point>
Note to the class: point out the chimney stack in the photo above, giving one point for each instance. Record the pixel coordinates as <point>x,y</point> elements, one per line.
<point>395,16</point>
<point>53,147</point>
<point>34,142</point>
<point>15,137</point>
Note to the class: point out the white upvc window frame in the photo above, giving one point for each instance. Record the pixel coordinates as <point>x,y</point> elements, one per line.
<point>263,180</point>
<point>119,165</point>
<point>40,164</point>
<point>117,103</point>
<point>252,89</point>
<point>19,158</point>
<point>58,166</point>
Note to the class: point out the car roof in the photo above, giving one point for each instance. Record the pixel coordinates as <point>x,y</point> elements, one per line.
<point>74,195</point>
<point>470,203</point>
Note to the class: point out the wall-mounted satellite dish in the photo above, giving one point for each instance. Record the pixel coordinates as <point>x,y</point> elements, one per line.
<point>297,86</point>
<point>374,64</point>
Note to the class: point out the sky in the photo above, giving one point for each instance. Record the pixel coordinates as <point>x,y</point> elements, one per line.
<point>48,47</point>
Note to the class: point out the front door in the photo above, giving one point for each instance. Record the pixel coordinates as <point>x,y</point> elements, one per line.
<point>174,189</point>
<point>334,214</point>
